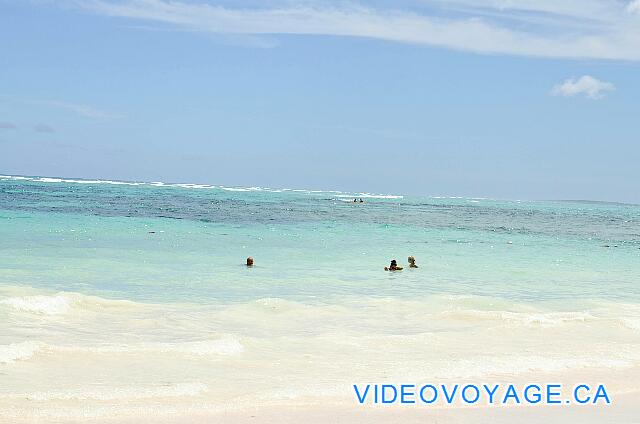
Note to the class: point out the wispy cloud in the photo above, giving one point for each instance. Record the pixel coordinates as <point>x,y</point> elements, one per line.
<point>7,126</point>
<point>83,110</point>
<point>586,85</point>
<point>634,6</point>
<point>242,40</point>
<point>42,128</point>
<point>79,109</point>
<point>604,29</point>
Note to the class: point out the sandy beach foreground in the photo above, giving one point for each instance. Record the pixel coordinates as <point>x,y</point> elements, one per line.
<point>626,410</point>
<point>623,409</point>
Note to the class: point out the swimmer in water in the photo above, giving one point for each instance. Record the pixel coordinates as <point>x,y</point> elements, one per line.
<point>393,267</point>
<point>249,261</point>
<point>412,262</point>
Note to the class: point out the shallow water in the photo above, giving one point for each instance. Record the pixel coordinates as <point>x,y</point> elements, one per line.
<point>125,294</point>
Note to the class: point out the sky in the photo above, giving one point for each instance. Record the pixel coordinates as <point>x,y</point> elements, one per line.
<point>530,99</point>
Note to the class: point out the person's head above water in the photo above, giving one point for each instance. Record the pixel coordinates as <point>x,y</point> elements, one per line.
<point>393,267</point>
<point>249,261</point>
<point>412,262</point>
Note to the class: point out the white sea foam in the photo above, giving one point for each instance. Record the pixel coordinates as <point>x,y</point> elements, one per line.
<point>116,393</point>
<point>18,351</point>
<point>369,196</point>
<point>68,180</point>
<point>46,305</point>
<point>60,303</point>
<point>233,189</point>
<point>524,318</point>
<point>12,177</point>
<point>102,182</point>
<point>201,186</point>
<point>632,323</point>
<point>189,185</point>
<point>225,346</point>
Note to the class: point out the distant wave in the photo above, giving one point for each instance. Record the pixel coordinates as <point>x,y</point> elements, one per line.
<point>370,196</point>
<point>60,303</point>
<point>199,186</point>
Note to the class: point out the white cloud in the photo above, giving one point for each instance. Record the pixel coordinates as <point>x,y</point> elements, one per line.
<point>634,6</point>
<point>600,29</point>
<point>585,85</point>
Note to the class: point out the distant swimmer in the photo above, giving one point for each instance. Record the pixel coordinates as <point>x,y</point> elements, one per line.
<point>249,261</point>
<point>361,201</point>
<point>412,262</point>
<point>393,267</point>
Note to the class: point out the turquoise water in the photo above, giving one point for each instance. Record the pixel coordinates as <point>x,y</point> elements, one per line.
<point>95,239</point>
<point>121,299</point>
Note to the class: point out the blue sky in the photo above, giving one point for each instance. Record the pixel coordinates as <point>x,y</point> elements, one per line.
<point>495,98</point>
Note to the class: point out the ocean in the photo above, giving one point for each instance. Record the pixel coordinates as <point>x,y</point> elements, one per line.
<point>132,298</point>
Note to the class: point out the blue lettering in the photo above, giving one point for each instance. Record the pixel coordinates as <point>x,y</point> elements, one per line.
<point>471,394</point>
<point>511,393</point>
<point>601,393</point>
<point>404,393</point>
<point>576,395</point>
<point>435,393</point>
<point>554,394</point>
<point>362,398</point>
<point>448,397</point>
<point>464,393</point>
<point>395,393</point>
<point>537,397</point>
<point>491,392</point>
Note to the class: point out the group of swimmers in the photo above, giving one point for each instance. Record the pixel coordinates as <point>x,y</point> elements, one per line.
<point>358,201</point>
<point>393,267</point>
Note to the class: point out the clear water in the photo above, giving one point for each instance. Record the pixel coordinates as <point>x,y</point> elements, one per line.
<point>150,275</point>
<point>95,239</point>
